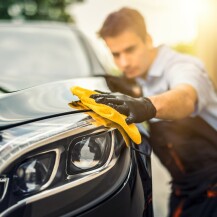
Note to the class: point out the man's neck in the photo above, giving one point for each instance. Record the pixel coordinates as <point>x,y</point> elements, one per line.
<point>153,55</point>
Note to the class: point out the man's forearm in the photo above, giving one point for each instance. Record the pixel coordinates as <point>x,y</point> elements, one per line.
<point>175,104</point>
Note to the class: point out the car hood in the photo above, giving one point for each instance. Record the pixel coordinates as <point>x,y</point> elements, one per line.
<point>43,101</point>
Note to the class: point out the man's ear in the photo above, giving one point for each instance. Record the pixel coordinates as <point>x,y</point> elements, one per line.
<point>149,41</point>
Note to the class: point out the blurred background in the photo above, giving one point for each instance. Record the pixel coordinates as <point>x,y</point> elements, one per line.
<point>186,25</point>
<point>189,26</point>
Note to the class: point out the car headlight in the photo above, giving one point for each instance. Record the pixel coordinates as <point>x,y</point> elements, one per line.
<point>89,152</point>
<point>48,154</point>
<point>32,174</point>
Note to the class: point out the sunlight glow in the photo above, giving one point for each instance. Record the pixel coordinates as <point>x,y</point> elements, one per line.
<point>195,10</point>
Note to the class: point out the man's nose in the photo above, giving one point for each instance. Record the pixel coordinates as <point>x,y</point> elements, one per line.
<point>123,61</point>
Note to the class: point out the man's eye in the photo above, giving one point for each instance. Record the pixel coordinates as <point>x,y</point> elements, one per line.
<point>130,49</point>
<point>115,55</point>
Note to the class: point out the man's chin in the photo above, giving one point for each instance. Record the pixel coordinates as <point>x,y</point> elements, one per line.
<point>131,75</point>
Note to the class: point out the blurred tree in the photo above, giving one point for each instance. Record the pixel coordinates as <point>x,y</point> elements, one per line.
<point>188,48</point>
<point>36,9</point>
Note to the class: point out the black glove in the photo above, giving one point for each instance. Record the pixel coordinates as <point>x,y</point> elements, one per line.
<point>136,109</point>
<point>123,85</point>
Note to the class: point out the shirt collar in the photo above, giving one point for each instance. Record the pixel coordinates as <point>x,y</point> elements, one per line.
<point>157,67</point>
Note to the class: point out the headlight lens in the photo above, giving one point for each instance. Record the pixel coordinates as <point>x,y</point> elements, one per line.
<point>88,152</point>
<point>32,174</point>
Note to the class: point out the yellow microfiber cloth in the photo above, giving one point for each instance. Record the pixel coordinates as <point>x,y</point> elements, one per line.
<point>101,121</point>
<point>106,112</point>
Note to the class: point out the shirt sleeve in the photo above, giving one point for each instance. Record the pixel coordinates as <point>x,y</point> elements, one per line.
<point>194,75</point>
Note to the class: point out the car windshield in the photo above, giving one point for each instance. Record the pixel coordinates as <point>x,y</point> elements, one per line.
<point>32,56</point>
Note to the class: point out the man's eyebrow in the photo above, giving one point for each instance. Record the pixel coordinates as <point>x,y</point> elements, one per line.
<point>130,48</point>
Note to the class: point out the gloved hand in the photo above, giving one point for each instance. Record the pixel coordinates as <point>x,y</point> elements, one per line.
<point>136,109</point>
<point>123,85</point>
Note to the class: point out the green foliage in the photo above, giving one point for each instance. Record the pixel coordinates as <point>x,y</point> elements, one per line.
<point>188,48</point>
<point>36,9</point>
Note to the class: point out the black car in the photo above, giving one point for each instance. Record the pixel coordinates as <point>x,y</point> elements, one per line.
<point>55,160</point>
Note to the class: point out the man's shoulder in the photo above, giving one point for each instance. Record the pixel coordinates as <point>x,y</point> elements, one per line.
<point>181,59</point>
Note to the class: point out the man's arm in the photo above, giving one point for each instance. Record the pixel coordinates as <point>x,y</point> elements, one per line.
<point>175,104</point>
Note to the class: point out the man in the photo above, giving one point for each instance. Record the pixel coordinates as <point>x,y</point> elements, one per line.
<point>181,103</point>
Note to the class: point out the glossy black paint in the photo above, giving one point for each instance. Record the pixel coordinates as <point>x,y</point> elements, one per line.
<point>117,193</point>
<point>129,199</point>
<point>42,101</point>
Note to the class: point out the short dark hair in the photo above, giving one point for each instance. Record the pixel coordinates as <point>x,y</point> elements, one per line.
<point>125,18</point>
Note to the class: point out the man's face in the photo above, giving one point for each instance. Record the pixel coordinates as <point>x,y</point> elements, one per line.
<point>131,54</point>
